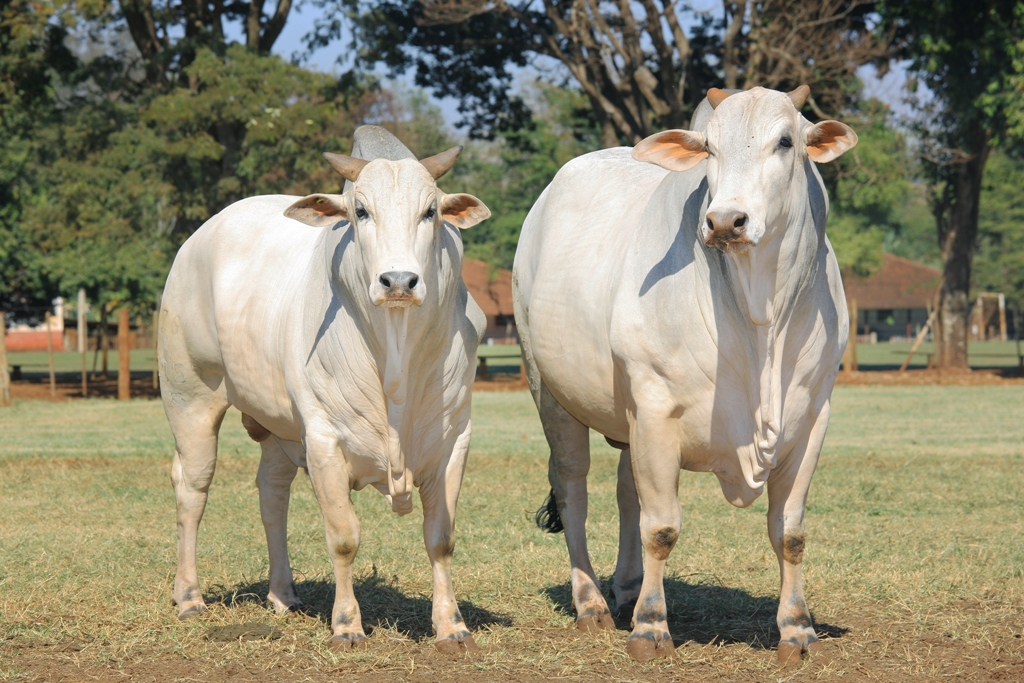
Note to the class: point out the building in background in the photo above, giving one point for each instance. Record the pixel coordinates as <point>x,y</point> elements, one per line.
<point>29,333</point>
<point>895,301</point>
<point>491,288</point>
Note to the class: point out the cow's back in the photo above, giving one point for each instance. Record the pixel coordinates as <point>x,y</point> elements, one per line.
<point>568,264</point>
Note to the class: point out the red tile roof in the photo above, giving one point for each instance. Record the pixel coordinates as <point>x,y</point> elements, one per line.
<point>900,283</point>
<point>491,288</point>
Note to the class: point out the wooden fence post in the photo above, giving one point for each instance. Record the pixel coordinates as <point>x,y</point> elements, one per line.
<point>156,335</point>
<point>124,356</point>
<point>850,357</point>
<point>83,339</point>
<point>104,337</point>
<point>5,378</point>
<point>852,344</point>
<point>49,355</point>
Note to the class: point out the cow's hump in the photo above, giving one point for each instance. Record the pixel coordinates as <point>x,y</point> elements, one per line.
<point>374,142</point>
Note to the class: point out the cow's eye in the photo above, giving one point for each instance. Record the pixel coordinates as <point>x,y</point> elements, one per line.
<point>785,142</point>
<point>429,215</point>
<point>361,213</point>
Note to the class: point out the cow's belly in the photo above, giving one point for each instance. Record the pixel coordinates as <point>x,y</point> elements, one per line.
<point>572,354</point>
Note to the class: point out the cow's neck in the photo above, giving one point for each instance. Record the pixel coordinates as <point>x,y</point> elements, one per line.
<point>400,338</point>
<point>772,279</point>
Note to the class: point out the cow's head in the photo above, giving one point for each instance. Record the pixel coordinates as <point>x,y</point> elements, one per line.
<point>755,143</point>
<point>397,212</point>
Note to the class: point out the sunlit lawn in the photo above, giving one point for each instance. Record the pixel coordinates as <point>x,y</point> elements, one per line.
<point>915,531</point>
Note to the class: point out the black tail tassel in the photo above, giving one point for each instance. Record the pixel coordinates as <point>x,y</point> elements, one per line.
<point>547,516</point>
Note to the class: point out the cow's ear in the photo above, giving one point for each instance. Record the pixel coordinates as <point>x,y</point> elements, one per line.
<point>676,150</point>
<point>828,140</point>
<point>463,210</point>
<point>318,210</point>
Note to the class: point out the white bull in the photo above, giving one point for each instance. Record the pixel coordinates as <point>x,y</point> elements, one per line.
<point>682,354</point>
<point>340,326</point>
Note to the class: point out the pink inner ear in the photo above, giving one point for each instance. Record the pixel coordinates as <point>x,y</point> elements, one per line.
<point>825,134</point>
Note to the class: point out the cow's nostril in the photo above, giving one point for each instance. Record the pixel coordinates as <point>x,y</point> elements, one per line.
<point>711,225</point>
<point>386,283</point>
<point>413,282</point>
<point>741,221</point>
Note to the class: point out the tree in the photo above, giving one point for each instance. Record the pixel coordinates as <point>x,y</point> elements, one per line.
<point>129,183</point>
<point>634,62</point>
<point>32,54</point>
<point>999,263</point>
<point>964,53</point>
<point>868,188</point>
<point>509,174</point>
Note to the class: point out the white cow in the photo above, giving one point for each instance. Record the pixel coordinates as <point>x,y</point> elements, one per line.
<point>340,326</point>
<point>682,299</point>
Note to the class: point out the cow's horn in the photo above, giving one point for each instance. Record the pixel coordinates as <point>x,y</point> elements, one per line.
<point>799,96</point>
<point>349,167</point>
<point>715,97</point>
<point>439,164</point>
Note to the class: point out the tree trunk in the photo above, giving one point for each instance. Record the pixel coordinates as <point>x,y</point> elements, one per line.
<point>958,245</point>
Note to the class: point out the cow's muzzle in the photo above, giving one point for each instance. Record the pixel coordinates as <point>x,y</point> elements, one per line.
<point>399,287</point>
<point>726,229</point>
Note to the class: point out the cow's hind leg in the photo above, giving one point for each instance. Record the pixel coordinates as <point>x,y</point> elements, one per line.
<point>629,569</point>
<point>195,419</point>
<point>568,467</point>
<point>328,473</point>
<point>274,480</point>
<point>787,494</point>
<point>439,495</point>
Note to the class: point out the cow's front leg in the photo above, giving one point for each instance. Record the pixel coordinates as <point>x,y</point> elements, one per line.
<point>787,494</point>
<point>568,467</point>
<point>328,473</point>
<point>629,569</point>
<point>439,495</point>
<point>655,445</point>
<point>274,480</point>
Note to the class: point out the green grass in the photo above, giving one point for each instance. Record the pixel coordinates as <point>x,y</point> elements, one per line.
<point>915,539</point>
<point>989,354</point>
<point>71,361</point>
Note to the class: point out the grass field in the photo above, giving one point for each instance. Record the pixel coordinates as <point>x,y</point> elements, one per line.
<point>914,562</point>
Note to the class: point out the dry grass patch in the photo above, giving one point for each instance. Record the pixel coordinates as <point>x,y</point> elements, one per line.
<point>914,563</point>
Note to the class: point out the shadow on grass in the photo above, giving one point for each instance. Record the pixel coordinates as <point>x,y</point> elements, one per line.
<point>381,602</point>
<point>706,613</point>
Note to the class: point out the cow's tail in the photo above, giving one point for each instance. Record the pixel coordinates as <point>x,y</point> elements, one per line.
<point>547,516</point>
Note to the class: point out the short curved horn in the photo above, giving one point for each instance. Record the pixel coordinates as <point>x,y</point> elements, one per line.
<point>716,96</point>
<point>799,96</point>
<point>349,167</point>
<point>439,164</point>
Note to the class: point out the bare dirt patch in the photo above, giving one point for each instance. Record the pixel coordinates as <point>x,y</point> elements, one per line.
<point>867,650</point>
<point>69,387</point>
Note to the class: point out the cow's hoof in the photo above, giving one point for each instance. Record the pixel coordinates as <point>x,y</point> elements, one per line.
<point>591,623</point>
<point>193,611</point>
<point>457,646</point>
<point>791,651</point>
<point>285,609</point>
<point>645,649</point>
<point>348,641</point>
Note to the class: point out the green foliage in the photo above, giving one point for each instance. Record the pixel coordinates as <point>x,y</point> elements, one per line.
<point>108,189</point>
<point>999,262</point>
<point>867,187</point>
<point>510,175</point>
